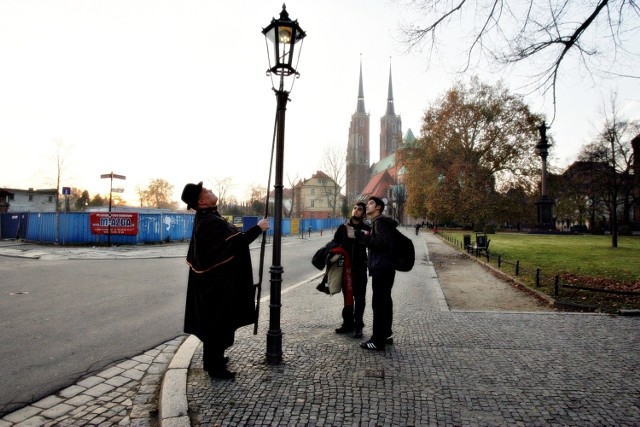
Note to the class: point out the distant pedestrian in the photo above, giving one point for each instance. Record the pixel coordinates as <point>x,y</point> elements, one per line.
<point>381,269</point>
<point>417,226</point>
<point>354,298</point>
<point>220,290</point>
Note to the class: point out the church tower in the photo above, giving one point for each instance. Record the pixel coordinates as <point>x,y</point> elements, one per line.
<point>358,148</point>
<point>390,126</point>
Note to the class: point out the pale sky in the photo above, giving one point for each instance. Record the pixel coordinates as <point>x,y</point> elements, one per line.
<point>177,90</point>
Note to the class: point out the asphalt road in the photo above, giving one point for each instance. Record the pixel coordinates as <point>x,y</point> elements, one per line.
<point>66,319</point>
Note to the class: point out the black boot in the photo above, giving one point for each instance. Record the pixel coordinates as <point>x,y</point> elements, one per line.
<point>347,320</point>
<point>222,373</point>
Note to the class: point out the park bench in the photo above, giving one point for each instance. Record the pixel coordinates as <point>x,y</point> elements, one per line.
<point>481,245</point>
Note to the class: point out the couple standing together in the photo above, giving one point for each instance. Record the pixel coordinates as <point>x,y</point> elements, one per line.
<point>355,237</point>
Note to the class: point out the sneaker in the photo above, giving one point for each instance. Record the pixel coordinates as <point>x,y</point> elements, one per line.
<point>357,333</point>
<point>222,374</point>
<point>369,345</point>
<point>344,330</point>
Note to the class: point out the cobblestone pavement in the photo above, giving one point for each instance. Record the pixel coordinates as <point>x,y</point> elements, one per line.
<point>444,368</point>
<point>123,394</point>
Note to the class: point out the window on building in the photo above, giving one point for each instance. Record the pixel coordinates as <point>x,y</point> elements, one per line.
<point>313,191</point>
<point>31,197</point>
<point>313,203</point>
<point>50,199</point>
<point>312,215</point>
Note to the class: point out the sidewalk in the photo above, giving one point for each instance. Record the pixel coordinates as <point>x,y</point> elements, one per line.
<point>445,368</point>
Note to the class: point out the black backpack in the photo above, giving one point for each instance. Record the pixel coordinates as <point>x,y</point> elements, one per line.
<point>319,259</point>
<point>404,255</point>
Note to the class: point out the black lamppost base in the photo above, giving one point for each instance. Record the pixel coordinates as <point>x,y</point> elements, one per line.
<point>274,348</point>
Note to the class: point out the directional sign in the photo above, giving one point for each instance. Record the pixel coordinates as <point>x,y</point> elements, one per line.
<point>117,190</point>
<point>112,176</point>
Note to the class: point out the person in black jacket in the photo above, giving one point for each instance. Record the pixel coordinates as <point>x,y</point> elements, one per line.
<point>381,269</point>
<point>354,299</point>
<point>220,290</point>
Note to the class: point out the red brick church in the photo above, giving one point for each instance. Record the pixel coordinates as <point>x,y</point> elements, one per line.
<point>384,178</point>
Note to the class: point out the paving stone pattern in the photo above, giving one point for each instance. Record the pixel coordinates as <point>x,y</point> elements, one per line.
<point>125,394</point>
<point>445,368</point>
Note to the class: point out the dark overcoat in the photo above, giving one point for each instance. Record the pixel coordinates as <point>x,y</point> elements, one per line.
<point>220,290</point>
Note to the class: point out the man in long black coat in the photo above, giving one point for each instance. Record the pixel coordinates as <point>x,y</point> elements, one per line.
<point>220,291</point>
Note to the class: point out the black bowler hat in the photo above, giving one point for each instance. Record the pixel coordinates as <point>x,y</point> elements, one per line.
<point>191,194</point>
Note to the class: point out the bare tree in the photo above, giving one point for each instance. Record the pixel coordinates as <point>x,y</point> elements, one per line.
<point>600,34</point>
<point>334,165</point>
<point>223,187</point>
<point>612,151</point>
<point>157,195</point>
<point>257,199</point>
<point>294,190</point>
<point>60,155</point>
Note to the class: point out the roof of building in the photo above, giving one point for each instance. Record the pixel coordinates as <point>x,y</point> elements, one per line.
<point>383,164</point>
<point>378,185</point>
<point>30,190</point>
<point>409,137</point>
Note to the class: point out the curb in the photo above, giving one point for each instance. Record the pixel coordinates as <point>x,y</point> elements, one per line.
<point>173,407</point>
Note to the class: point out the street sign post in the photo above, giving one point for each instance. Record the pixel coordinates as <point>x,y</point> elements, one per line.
<point>111,176</point>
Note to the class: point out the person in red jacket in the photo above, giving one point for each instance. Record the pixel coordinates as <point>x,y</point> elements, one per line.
<point>220,290</point>
<point>354,302</point>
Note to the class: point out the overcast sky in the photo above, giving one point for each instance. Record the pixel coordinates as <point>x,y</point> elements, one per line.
<point>177,90</point>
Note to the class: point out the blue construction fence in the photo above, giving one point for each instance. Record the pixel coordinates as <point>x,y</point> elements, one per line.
<point>74,228</point>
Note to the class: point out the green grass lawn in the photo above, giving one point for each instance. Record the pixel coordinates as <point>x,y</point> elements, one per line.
<point>586,256</point>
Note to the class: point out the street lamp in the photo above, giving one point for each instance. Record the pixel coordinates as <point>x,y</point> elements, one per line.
<point>282,36</point>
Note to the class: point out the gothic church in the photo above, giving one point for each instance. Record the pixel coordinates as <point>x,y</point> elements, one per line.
<point>365,180</point>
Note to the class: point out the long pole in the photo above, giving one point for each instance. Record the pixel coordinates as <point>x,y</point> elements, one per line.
<point>110,198</point>
<point>274,335</point>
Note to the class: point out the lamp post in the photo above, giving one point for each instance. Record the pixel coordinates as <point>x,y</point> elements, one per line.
<point>281,36</point>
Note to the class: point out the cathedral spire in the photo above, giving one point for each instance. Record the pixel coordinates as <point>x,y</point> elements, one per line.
<point>360,108</point>
<point>390,109</point>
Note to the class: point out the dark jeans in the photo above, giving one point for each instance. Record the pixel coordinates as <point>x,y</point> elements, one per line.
<point>352,314</point>
<point>382,305</point>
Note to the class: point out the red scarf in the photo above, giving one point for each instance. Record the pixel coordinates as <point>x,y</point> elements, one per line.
<point>347,284</point>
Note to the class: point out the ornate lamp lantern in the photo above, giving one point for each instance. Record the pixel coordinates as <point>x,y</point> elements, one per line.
<point>282,37</point>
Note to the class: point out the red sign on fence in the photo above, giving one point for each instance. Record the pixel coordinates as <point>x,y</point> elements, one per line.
<point>122,223</point>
